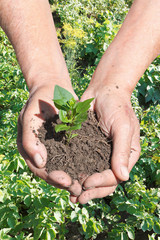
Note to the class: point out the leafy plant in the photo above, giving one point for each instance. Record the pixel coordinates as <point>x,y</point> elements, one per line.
<point>149,86</point>
<point>71,112</point>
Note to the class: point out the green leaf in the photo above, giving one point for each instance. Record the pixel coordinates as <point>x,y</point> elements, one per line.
<point>5,230</point>
<point>74,135</point>
<point>131,209</point>
<point>72,103</point>
<point>152,237</point>
<point>38,233</point>
<point>27,200</point>
<point>3,233</point>
<point>1,196</point>
<point>65,105</point>
<point>83,106</point>
<point>58,216</point>
<point>11,222</point>
<point>61,127</point>
<point>122,207</point>
<point>62,95</point>
<point>75,127</point>
<point>63,117</point>
<point>131,234</point>
<point>144,225</point>
<point>124,236</point>
<point>156,227</point>
<point>81,117</point>
<point>90,228</point>
<point>51,234</point>
<point>73,216</point>
<point>81,219</point>
<point>85,212</point>
<point>61,105</point>
<point>21,163</point>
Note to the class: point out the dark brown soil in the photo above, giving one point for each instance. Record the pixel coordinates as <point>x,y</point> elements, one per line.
<point>87,153</point>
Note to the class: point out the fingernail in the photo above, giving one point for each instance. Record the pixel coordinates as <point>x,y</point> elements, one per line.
<point>68,186</point>
<point>86,188</point>
<point>38,160</point>
<point>124,172</point>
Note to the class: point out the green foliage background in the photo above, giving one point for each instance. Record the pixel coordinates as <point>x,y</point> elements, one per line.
<point>30,208</point>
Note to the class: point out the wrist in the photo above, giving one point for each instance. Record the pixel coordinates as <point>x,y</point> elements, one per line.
<point>45,82</point>
<point>114,72</point>
<point>47,78</point>
<point>113,91</point>
<point>111,85</point>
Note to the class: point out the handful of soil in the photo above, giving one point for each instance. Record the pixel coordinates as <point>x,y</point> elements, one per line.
<point>87,153</point>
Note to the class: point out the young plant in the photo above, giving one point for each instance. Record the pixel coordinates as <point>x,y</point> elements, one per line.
<point>71,112</point>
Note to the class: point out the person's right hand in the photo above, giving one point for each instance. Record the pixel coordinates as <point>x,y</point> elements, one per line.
<point>38,108</point>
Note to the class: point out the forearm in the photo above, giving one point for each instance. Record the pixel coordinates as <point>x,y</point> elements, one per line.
<point>30,28</point>
<point>136,45</point>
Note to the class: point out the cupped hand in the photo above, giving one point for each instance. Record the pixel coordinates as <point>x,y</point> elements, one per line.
<point>119,122</point>
<point>38,108</point>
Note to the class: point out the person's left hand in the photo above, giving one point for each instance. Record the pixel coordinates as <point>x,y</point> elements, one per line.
<point>118,121</point>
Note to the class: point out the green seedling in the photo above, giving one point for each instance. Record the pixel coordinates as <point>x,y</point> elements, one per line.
<point>71,112</point>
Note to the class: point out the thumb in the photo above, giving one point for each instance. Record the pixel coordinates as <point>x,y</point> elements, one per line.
<point>121,151</point>
<point>31,118</point>
<point>29,144</point>
<point>88,94</point>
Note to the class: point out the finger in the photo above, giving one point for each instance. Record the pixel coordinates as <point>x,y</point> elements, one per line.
<point>82,177</point>
<point>27,139</point>
<point>88,94</point>
<point>103,179</point>
<point>73,199</point>
<point>128,154</point>
<point>56,185</point>
<point>135,148</point>
<point>32,117</point>
<point>62,179</point>
<point>38,172</point>
<point>95,193</point>
<point>122,136</point>
<point>59,178</point>
<point>75,188</point>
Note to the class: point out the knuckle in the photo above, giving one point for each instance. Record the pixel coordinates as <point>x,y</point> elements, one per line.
<point>125,127</point>
<point>33,169</point>
<point>35,172</point>
<point>139,149</point>
<point>29,147</point>
<point>26,144</point>
<point>123,156</point>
